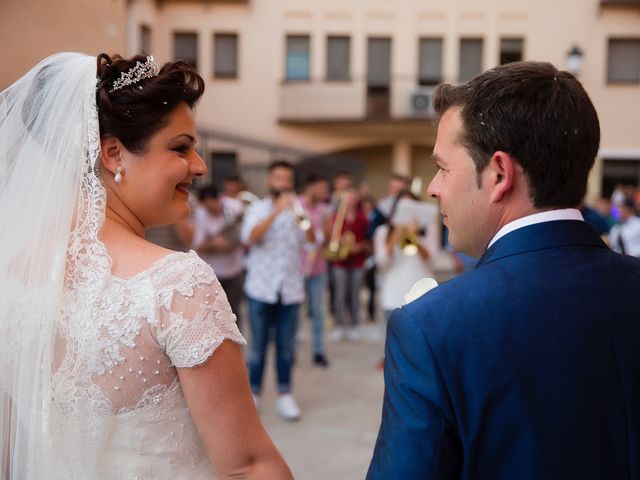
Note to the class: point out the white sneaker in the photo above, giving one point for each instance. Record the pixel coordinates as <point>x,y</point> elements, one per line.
<point>337,334</point>
<point>353,335</point>
<point>287,407</point>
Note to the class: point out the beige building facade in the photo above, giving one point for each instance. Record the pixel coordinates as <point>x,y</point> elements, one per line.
<point>346,83</point>
<point>31,30</point>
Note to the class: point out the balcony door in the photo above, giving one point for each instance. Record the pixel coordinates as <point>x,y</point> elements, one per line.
<point>378,77</point>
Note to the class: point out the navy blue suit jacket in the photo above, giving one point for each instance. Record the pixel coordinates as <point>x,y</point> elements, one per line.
<point>528,367</point>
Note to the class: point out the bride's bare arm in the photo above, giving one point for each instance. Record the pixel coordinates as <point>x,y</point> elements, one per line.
<point>219,398</point>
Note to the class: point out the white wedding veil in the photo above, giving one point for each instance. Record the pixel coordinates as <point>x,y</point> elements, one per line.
<point>51,211</point>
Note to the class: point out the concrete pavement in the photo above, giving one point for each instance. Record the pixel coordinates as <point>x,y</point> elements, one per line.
<point>340,406</point>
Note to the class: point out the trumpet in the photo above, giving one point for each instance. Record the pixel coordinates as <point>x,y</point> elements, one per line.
<point>300,217</point>
<point>408,242</point>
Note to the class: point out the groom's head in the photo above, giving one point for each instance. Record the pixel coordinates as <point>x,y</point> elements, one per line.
<point>515,140</point>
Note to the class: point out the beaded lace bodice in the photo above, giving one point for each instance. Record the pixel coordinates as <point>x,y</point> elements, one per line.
<point>117,409</point>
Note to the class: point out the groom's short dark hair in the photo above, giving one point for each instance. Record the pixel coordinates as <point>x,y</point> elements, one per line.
<point>540,116</point>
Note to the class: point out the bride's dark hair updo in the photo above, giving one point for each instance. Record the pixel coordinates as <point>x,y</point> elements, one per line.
<point>134,113</point>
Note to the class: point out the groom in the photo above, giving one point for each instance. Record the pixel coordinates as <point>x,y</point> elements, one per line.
<point>528,367</point>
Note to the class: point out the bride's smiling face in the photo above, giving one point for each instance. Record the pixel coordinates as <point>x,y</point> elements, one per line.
<point>155,183</point>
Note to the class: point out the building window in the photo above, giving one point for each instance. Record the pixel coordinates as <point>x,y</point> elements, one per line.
<point>297,62</point>
<point>379,62</point>
<point>145,40</point>
<point>338,58</point>
<point>624,61</point>
<point>430,61</point>
<point>378,78</point>
<point>510,50</point>
<point>470,58</point>
<point>225,55</point>
<point>185,47</point>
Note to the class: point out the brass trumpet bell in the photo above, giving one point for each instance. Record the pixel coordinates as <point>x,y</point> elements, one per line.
<point>303,222</point>
<point>409,243</point>
<point>300,217</point>
<point>339,251</point>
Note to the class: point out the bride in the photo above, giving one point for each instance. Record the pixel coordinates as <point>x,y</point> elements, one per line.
<point>118,359</point>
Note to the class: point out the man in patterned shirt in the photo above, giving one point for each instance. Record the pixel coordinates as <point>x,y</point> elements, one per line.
<point>275,284</point>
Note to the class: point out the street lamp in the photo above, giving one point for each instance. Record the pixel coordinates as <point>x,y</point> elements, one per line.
<point>574,60</point>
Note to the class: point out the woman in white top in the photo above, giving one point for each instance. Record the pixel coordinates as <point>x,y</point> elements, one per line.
<point>399,270</point>
<point>118,358</point>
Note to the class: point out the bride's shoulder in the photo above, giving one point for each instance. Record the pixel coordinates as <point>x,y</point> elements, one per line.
<point>137,257</point>
<point>181,272</point>
<point>130,255</point>
<point>164,270</point>
<point>183,277</point>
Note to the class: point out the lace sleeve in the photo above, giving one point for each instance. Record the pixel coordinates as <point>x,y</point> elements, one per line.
<point>194,319</point>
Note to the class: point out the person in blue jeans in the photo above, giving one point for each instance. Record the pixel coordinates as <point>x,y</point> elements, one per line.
<point>274,283</point>
<point>283,320</point>
<point>314,288</point>
<point>314,265</point>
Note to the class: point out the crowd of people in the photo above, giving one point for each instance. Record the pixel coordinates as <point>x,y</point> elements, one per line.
<point>320,248</point>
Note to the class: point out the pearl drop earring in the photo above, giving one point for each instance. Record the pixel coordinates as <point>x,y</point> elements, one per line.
<point>118,176</point>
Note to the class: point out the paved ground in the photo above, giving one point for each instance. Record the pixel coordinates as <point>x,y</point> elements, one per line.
<point>340,405</point>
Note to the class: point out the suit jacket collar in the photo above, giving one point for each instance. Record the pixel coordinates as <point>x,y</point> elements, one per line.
<point>560,233</point>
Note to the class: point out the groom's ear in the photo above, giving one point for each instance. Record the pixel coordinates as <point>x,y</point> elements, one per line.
<point>501,174</point>
<point>110,153</point>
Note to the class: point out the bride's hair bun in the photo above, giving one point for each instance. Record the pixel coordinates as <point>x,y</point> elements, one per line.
<point>134,112</point>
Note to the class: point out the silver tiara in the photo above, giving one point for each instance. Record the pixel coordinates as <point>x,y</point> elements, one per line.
<point>136,73</point>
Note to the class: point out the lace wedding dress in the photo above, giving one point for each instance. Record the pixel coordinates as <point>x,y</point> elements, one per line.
<point>88,382</point>
<point>115,394</point>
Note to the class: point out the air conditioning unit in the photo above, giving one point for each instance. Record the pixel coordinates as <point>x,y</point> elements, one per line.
<point>420,102</point>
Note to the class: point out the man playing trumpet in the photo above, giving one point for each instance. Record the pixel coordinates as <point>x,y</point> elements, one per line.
<point>275,230</point>
<point>403,248</point>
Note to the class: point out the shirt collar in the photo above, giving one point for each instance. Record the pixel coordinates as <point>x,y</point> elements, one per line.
<point>548,216</point>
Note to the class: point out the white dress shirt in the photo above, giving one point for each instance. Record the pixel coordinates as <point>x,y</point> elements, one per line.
<point>549,216</point>
<point>273,263</point>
